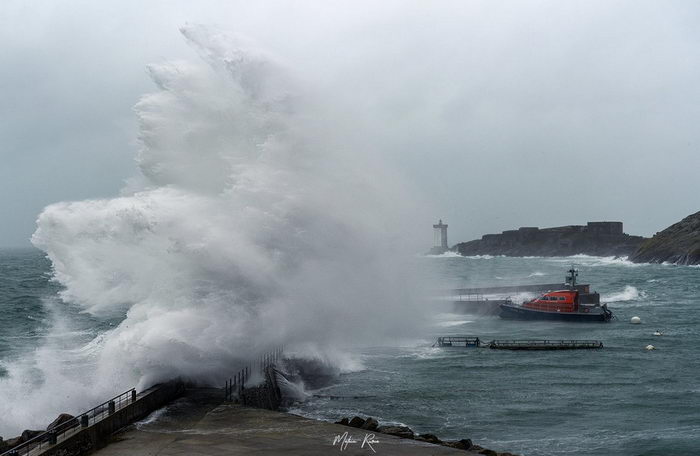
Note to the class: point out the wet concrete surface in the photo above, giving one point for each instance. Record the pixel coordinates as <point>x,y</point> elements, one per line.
<point>200,424</point>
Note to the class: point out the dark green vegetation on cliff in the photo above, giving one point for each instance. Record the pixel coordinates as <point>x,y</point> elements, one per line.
<point>595,238</point>
<point>679,243</point>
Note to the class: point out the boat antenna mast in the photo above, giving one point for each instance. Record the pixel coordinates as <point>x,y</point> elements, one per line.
<point>571,278</point>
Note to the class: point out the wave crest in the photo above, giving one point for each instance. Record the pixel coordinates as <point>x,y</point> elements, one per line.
<point>630,293</point>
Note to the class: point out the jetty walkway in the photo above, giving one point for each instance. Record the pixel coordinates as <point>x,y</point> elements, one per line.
<point>517,344</point>
<point>200,424</point>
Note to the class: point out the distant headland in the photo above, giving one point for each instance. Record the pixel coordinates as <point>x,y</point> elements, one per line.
<point>678,244</point>
<point>594,238</point>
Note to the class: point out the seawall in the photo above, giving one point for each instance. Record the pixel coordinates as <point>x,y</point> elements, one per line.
<point>79,437</point>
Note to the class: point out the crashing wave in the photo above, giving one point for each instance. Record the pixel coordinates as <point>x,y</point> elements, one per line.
<point>249,226</point>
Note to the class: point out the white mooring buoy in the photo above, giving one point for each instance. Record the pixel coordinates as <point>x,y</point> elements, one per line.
<point>635,320</point>
<point>650,347</point>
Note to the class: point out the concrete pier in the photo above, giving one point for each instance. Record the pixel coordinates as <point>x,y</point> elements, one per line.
<point>537,288</point>
<point>213,428</point>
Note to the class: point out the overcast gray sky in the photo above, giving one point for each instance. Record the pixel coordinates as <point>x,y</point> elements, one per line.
<point>503,114</point>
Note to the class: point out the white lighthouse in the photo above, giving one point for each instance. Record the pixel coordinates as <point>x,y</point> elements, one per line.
<point>440,236</point>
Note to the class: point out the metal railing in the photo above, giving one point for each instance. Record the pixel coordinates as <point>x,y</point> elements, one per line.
<point>73,425</point>
<point>470,297</point>
<point>457,341</point>
<point>235,385</point>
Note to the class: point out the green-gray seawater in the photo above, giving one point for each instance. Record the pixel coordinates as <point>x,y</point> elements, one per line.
<point>621,400</point>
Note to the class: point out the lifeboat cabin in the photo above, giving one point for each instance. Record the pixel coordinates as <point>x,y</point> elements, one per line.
<point>556,305</point>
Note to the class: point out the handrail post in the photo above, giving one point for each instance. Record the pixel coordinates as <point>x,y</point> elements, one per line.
<point>84,421</point>
<point>133,395</point>
<point>111,407</point>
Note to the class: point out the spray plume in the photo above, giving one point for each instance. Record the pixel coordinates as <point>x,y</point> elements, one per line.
<point>250,226</point>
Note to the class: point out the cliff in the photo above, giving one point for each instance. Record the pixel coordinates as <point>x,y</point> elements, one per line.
<point>595,238</point>
<point>679,243</point>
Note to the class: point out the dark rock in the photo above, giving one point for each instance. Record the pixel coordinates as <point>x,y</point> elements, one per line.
<point>13,442</point>
<point>488,452</point>
<point>370,424</point>
<point>679,243</point>
<point>29,434</point>
<point>399,431</point>
<point>595,238</point>
<point>356,422</point>
<point>430,438</point>
<point>62,418</point>
<point>464,444</point>
<point>344,421</point>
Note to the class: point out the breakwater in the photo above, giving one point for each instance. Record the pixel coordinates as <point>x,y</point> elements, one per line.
<point>232,429</point>
<point>92,429</point>
<point>75,435</point>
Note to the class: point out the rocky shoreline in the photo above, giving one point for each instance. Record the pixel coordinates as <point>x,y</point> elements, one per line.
<point>678,244</point>
<point>595,238</point>
<point>370,424</point>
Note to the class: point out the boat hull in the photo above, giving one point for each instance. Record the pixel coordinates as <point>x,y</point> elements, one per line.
<point>521,313</point>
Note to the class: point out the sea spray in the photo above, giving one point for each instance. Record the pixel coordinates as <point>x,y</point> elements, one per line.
<point>630,293</point>
<point>248,227</point>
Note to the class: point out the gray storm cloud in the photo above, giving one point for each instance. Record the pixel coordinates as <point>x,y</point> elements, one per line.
<point>490,109</point>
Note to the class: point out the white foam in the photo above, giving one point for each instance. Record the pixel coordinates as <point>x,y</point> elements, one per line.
<point>448,254</point>
<point>589,260</point>
<point>448,324</point>
<point>630,293</point>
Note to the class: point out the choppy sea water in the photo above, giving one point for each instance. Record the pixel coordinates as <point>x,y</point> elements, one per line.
<point>38,331</point>
<point>24,286</point>
<point>621,400</point>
